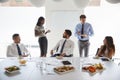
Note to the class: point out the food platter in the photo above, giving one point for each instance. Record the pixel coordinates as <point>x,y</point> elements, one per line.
<point>93,68</point>
<point>12,69</point>
<point>64,69</point>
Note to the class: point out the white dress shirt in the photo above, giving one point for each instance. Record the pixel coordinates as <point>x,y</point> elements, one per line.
<point>13,52</point>
<point>68,47</point>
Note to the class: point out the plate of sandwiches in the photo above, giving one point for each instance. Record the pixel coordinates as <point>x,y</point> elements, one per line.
<point>64,69</point>
<point>12,69</point>
<point>93,68</point>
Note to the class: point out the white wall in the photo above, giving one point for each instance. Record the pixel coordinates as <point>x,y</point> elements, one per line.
<point>104,19</point>
<point>20,20</point>
<point>61,15</point>
<point>106,22</point>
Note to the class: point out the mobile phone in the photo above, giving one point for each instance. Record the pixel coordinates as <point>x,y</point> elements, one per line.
<point>66,62</point>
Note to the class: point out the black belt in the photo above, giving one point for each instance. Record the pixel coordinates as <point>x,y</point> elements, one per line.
<point>84,40</point>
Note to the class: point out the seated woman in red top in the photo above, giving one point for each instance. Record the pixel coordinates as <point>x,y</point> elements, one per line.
<point>107,49</point>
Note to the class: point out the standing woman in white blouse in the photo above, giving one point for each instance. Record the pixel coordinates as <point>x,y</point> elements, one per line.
<point>41,33</point>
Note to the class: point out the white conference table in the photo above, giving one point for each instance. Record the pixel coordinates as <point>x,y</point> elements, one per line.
<point>33,71</point>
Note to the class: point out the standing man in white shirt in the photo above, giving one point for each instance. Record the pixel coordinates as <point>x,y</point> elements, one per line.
<point>65,46</point>
<point>16,48</point>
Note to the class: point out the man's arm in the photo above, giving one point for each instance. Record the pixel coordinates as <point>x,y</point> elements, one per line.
<point>51,52</point>
<point>55,48</point>
<point>77,32</point>
<point>9,52</point>
<point>24,50</point>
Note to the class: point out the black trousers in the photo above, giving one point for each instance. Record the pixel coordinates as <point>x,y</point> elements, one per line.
<point>43,43</point>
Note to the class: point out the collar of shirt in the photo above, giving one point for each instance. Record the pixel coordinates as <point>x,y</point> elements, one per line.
<point>83,23</point>
<point>16,44</point>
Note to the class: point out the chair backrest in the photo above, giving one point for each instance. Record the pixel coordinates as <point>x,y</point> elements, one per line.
<point>97,51</point>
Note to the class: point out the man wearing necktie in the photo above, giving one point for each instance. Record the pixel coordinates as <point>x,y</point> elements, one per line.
<point>16,48</point>
<point>64,47</point>
<point>83,31</point>
<point>19,50</point>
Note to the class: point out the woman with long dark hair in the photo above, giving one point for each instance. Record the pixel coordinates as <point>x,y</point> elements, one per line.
<point>41,33</point>
<point>107,49</point>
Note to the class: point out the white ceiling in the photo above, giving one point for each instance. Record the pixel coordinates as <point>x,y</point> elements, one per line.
<point>16,3</point>
<point>36,2</point>
<point>39,3</point>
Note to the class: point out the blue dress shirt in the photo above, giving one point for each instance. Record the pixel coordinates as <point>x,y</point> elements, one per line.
<point>88,30</point>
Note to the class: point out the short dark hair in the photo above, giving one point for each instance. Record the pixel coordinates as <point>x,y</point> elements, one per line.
<point>68,32</point>
<point>82,16</point>
<point>15,35</point>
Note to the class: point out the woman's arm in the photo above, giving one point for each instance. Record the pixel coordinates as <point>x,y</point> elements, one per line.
<point>100,51</point>
<point>48,31</point>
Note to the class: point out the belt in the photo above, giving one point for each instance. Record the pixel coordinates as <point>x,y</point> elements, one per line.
<point>84,40</point>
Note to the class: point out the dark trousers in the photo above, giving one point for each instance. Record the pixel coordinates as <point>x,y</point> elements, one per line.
<point>43,43</point>
<point>83,46</point>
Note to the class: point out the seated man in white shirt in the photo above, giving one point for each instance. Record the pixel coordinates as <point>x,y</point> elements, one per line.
<point>16,48</point>
<point>65,46</point>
